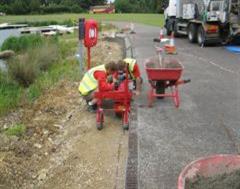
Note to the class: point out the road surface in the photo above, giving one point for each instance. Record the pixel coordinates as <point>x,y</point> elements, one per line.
<point>207,122</point>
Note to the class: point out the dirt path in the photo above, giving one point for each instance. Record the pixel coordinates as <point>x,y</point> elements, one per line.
<point>62,147</point>
<point>85,157</point>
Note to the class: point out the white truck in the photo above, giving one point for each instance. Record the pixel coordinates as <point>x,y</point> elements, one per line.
<point>204,21</point>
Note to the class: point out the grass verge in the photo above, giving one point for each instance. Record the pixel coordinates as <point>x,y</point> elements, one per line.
<point>149,19</point>
<point>36,70</point>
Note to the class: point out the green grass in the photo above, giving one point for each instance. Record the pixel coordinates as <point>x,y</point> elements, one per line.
<point>22,43</point>
<point>16,130</point>
<point>10,94</point>
<point>64,70</point>
<point>66,67</point>
<point>149,19</point>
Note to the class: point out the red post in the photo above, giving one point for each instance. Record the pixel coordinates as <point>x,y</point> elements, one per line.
<point>89,57</point>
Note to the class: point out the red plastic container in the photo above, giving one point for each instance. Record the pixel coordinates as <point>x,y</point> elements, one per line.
<point>209,166</point>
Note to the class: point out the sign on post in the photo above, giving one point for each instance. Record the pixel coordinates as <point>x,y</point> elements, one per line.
<point>91,37</point>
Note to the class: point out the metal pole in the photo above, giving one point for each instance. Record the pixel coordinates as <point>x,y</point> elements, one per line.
<point>81,56</point>
<point>80,53</point>
<point>89,58</point>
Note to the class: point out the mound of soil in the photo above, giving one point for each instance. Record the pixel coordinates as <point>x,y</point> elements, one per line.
<point>223,181</point>
<point>167,63</point>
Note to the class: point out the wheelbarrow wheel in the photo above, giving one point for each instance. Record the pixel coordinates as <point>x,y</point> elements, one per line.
<point>100,126</point>
<point>125,120</point>
<point>160,88</point>
<point>126,127</point>
<point>119,115</point>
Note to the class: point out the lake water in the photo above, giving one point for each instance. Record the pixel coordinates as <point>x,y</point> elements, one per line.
<point>4,34</point>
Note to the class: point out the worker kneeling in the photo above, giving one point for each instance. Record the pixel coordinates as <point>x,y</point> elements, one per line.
<point>90,81</point>
<point>131,66</point>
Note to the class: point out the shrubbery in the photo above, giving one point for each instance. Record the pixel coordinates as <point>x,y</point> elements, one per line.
<point>26,68</point>
<point>53,8</point>
<point>36,69</point>
<point>22,43</point>
<point>46,7</point>
<point>37,54</point>
<point>47,23</point>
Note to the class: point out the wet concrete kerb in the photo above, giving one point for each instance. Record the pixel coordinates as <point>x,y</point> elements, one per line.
<point>131,181</point>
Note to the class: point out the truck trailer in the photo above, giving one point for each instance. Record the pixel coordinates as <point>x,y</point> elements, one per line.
<point>204,21</point>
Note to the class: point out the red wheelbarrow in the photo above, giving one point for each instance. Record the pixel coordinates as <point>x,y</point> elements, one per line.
<point>161,77</point>
<point>122,101</point>
<point>208,167</point>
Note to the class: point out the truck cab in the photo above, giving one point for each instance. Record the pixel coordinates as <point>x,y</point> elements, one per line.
<point>203,21</point>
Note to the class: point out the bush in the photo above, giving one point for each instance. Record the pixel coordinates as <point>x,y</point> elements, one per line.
<point>46,56</point>
<point>53,8</point>
<point>68,23</point>
<point>124,6</point>
<point>25,69</point>
<point>21,43</point>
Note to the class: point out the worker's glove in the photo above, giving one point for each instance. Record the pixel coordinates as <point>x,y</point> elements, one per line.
<point>116,85</point>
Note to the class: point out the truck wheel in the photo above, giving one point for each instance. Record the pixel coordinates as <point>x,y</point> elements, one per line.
<point>125,127</point>
<point>201,36</point>
<point>192,33</point>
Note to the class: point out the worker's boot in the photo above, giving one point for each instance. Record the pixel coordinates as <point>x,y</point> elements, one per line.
<point>92,108</point>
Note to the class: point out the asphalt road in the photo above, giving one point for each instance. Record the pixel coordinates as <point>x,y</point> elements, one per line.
<point>207,121</point>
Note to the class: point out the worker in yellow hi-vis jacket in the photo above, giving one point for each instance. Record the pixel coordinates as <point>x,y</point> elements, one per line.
<point>90,80</point>
<point>134,72</point>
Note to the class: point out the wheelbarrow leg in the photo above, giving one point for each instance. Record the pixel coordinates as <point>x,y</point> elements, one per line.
<point>176,96</point>
<point>126,119</point>
<point>150,97</point>
<point>99,117</point>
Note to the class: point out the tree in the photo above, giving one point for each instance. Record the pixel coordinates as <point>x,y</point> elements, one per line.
<point>35,6</point>
<point>19,7</point>
<point>123,6</point>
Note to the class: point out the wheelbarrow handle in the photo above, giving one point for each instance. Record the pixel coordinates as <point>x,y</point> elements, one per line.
<point>187,80</point>
<point>156,40</point>
<point>180,82</point>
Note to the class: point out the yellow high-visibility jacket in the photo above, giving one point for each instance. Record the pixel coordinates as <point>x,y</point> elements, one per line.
<point>131,63</point>
<point>89,83</point>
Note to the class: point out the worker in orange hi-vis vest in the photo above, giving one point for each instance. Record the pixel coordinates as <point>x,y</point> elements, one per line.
<point>133,71</point>
<point>89,83</point>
